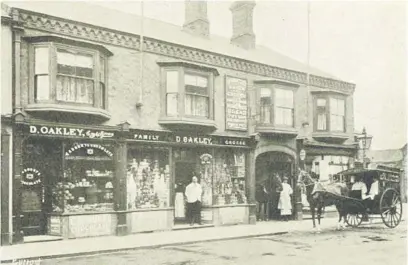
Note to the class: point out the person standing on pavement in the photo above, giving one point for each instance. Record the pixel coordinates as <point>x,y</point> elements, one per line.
<point>285,203</point>
<point>194,193</point>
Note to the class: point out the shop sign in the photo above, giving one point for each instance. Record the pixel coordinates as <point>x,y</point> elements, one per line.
<point>30,177</point>
<point>302,154</point>
<point>236,105</point>
<point>194,140</point>
<point>152,136</point>
<point>70,132</point>
<point>89,149</point>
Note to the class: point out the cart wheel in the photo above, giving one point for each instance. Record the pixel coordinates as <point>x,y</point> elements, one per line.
<point>391,208</point>
<point>354,220</point>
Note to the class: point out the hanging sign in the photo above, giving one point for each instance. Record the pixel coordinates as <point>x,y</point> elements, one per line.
<point>70,132</point>
<point>302,154</point>
<point>236,105</point>
<point>30,177</point>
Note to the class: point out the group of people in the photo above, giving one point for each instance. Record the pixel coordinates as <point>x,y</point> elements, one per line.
<point>275,194</point>
<point>366,195</point>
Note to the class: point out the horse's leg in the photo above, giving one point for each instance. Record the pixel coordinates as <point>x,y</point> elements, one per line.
<point>312,211</point>
<point>319,214</point>
<point>340,212</point>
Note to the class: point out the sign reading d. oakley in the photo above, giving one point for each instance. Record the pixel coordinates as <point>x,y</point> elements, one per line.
<point>236,105</point>
<point>70,132</point>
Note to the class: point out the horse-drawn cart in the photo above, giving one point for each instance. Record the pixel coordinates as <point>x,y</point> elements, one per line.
<point>386,204</point>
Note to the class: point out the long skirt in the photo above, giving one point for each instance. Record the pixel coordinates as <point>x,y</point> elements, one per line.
<point>179,211</point>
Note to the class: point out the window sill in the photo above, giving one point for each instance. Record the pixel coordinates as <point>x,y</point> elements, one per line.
<point>188,123</point>
<point>68,108</point>
<point>328,136</point>
<point>272,129</point>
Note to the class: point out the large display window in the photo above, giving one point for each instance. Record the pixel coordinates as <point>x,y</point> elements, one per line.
<point>87,179</point>
<point>229,177</point>
<point>148,178</point>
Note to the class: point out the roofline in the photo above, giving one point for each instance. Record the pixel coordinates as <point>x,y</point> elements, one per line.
<point>104,35</point>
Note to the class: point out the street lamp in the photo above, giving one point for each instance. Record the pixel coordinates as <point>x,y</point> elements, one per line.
<point>364,142</point>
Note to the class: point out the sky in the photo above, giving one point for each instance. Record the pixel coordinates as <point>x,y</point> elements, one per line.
<point>363,42</point>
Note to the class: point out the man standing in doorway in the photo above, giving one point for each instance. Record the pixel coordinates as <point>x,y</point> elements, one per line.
<point>193,194</point>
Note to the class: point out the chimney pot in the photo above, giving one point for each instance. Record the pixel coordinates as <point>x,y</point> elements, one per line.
<point>196,20</point>
<point>242,24</point>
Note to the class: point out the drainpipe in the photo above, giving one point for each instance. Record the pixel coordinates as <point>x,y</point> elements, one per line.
<point>139,104</point>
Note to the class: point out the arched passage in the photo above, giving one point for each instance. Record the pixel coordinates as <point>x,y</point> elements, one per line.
<point>270,168</point>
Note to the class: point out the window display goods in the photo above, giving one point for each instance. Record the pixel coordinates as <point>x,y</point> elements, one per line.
<point>148,180</point>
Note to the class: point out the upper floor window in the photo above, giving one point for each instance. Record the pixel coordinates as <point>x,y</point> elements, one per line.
<point>330,114</point>
<point>277,106</point>
<point>188,93</point>
<point>69,74</point>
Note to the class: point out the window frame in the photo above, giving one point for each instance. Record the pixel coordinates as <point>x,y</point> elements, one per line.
<point>53,46</point>
<point>181,92</point>
<point>327,98</point>
<point>272,86</point>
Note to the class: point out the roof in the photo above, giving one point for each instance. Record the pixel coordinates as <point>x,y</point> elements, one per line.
<point>385,156</point>
<point>130,23</point>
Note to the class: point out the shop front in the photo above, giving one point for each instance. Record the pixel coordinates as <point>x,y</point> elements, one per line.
<point>160,166</point>
<point>64,182</point>
<point>77,182</point>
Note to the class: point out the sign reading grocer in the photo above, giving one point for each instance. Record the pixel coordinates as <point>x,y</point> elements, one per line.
<point>70,132</point>
<point>30,177</point>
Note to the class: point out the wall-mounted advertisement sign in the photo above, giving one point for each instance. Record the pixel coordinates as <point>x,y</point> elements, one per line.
<point>236,104</point>
<point>70,132</point>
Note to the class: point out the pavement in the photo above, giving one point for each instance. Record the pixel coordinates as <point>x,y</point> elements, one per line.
<point>373,245</point>
<point>107,244</point>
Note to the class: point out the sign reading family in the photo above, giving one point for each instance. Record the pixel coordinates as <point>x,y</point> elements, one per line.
<point>236,105</point>
<point>70,132</point>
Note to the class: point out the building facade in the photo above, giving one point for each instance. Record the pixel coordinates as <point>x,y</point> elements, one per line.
<point>108,132</point>
<point>394,158</point>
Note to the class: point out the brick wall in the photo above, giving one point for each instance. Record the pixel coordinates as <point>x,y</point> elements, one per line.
<point>124,83</point>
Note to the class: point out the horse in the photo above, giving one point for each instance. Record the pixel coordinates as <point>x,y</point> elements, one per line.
<point>319,199</point>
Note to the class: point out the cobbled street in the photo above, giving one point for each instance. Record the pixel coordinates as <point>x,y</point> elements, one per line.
<point>365,245</point>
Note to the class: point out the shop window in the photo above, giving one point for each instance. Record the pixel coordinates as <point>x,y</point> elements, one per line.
<point>276,106</point>
<point>330,114</point>
<point>87,184</point>
<point>68,74</point>
<point>148,179</point>
<point>188,92</point>
<point>229,177</point>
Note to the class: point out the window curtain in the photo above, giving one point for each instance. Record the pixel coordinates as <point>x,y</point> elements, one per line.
<point>321,114</point>
<point>196,97</point>
<point>284,107</point>
<point>75,77</point>
<point>266,103</point>
<point>337,114</point>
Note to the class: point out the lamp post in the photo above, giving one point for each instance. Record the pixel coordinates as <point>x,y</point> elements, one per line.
<point>364,141</point>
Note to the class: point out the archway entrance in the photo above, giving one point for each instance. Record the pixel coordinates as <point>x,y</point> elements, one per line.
<point>270,168</point>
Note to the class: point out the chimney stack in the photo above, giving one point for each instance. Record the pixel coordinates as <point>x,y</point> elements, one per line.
<point>196,20</point>
<point>242,24</point>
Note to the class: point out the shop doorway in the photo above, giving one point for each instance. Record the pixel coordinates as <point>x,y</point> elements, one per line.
<point>271,168</point>
<point>183,173</point>
<point>41,167</point>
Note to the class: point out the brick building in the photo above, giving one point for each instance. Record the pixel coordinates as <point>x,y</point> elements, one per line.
<point>107,134</point>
